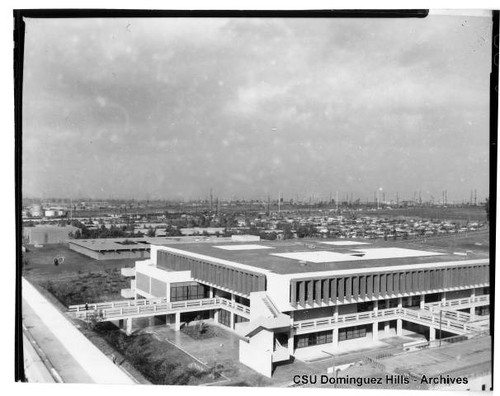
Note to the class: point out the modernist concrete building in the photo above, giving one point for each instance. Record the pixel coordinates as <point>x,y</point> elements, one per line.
<point>129,248</point>
<point>288,297</point>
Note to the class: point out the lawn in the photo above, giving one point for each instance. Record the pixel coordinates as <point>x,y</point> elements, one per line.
<point>159,362</point>
<point>88,287</point>
<point>79,279</point>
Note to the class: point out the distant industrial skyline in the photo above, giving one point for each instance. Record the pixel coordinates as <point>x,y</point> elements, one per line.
<point>169,108</point>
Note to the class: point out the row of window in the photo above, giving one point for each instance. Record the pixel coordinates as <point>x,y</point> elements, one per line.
<point>351,333</point>
<point>305,340</point>
<point>225,317</point>
<point>326,337</point>
<point>192,292</point>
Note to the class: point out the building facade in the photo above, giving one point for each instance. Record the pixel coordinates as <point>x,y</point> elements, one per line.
<point>286,298</point>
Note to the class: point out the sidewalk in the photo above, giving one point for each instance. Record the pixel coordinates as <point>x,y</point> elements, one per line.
<point>75,358</point>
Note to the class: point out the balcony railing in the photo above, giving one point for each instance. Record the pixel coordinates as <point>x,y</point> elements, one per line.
<point>458,322</point>
<point>150,307</point>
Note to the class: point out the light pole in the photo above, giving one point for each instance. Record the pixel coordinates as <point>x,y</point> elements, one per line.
<point>333,367</point>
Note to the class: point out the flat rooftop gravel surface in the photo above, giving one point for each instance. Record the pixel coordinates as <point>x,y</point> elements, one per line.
<point>313,255</point>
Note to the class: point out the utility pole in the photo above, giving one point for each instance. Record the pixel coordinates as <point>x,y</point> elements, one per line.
<point>440,325</point>
<point>279,202</point>
<point>211,199</point>
<point>475,197</point>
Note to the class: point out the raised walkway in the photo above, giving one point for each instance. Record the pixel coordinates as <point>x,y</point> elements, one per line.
<point>71,354</point>
<point>147,307</point>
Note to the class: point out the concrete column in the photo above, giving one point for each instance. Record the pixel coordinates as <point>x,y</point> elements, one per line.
<point>400,302</point>
<point>290,343</point>
<point>375,307</point>
<point>375,331</point>
<point>472,313</point>
<point>443,298</point>
<point>410,301</point>
<point>216,316</point>
<point>231,323</point>
<point>128,326</point>
<point>336,312</point>
<point>211,292</point>
<point>432,333</point>
<point>387,328</point>
<point>399,327</point>
<point>177,324</point>
<point>151,321</point>
<point>422,302</point>
<point>335,338</point>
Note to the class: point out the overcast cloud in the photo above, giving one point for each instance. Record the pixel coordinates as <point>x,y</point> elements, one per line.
<point>167,108</point>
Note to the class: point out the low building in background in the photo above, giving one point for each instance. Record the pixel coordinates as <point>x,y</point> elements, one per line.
<point>44,235</point>
<point>130,248</point>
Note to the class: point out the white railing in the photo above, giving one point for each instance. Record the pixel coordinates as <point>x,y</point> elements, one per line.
<point>390,313</point>
<point>145,307</point>
<point>452,321</point>
<point>461,301</point>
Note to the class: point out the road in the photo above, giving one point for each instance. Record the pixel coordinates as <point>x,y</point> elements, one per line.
<point>68,351</point>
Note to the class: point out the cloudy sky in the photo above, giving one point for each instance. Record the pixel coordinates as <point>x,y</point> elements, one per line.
<point>168,108</point>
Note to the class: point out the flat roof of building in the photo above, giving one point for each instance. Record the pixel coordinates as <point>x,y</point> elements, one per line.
<point>141,243</point>
<point>302,256</point>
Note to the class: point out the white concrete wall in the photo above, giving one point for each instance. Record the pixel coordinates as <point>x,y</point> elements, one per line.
<point>278,289</point>
<point>168,277</point>
<point>263,341</point>
<point>257,307</point>
<point>257,359</point>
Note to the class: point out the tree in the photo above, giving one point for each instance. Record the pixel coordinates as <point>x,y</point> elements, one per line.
<point>287,231</point>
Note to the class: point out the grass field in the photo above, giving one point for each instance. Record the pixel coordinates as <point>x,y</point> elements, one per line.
<point>79,279</point>
<point>158,361</point>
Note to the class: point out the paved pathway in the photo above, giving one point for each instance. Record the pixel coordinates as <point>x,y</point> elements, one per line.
<point>74,357</point>
<point>34,368</point>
